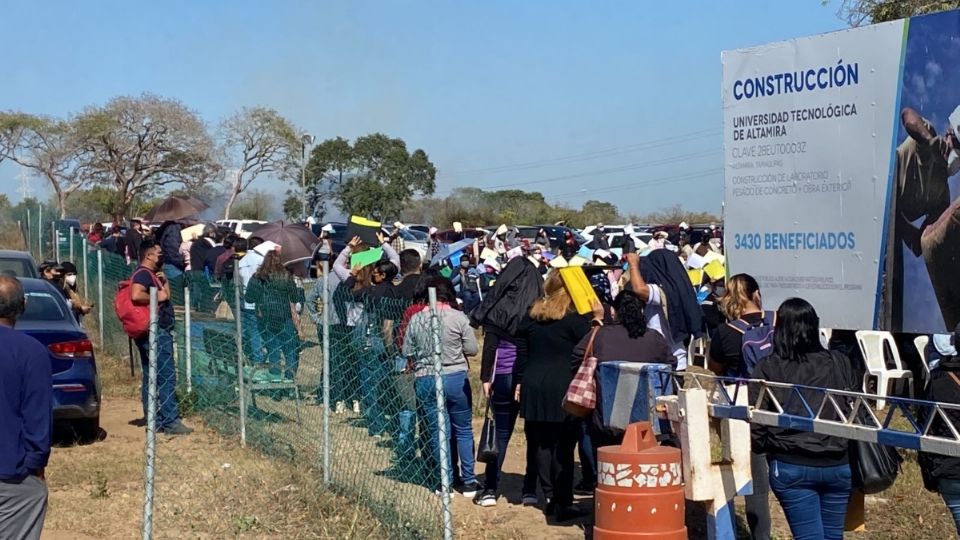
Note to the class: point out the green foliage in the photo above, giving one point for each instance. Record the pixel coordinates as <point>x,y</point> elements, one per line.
<point>254,205</point>
<point>375,176</point>
<point>598,212</point>
<point>292,207</point>
<point>143,145</point>
<point>5,203</point>
<point>857,12</point>
<point>258,141</point>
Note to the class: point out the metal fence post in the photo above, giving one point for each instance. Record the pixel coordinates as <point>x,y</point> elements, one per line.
<point>187,336</point>
<point>243,398</point>
<point>71,247</point>
<point>443,435</point>
<point>40,231</point>
<point>326,372</point>
<point>86,268</point>
<point>151,421</point>
<point>55,240</point>
<point>100,294</point>
<point>29,236</point>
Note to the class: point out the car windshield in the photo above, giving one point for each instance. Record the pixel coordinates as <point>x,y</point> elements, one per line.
<point>17,267</point>
<point>42,306</point>
<point>250,227</point>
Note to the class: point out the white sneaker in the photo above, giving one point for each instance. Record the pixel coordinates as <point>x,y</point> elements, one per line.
<point>341,407</point>
<point>356,407</point>
<point>486,498</point>
<point>470,490</point>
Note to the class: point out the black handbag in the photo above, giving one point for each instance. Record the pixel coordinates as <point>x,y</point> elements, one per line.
<point>874,466</point>
<point>487,450</point>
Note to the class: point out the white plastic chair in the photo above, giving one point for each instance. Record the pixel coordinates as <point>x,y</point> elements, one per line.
<point>699,348</point>
<point>921,342</point>
<point>874,356</point>
<point>826,334</point>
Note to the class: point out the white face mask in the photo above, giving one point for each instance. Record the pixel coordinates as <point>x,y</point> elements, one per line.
<point>71,280</point>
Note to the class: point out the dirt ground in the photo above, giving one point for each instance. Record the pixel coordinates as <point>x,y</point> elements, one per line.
<point>206,486</point>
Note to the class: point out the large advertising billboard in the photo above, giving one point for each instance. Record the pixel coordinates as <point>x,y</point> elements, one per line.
<point>840,159</point>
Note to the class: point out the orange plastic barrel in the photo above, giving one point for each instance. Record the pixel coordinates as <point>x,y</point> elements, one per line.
<point>639,489</point>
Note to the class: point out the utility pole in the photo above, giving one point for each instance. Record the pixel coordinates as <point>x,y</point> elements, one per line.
<point>305,139</point>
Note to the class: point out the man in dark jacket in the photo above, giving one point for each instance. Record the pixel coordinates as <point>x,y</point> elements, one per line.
<point>201,246</point>
<point>133,240</point>
<point>26,420</point>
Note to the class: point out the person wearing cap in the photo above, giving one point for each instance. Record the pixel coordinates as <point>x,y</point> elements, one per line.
<point>52,273</point>
<point>600,239</point>
<point>78,304</point>
<point>434,243</point>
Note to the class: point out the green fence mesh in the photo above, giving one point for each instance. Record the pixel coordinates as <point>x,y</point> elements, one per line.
<point>383,426</point>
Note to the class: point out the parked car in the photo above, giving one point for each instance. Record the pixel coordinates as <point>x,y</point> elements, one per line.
<point>450,236</point>
<point>555,234</point>
<point>615,234</point>
<point>76,384</point>
<point>413,240</point>
<point>18,263</point>
<point>243,228</point>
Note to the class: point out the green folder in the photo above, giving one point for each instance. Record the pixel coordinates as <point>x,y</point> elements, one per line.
<point>366,258</point>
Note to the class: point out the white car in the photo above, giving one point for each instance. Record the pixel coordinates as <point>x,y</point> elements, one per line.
<point>241,227</point>
<point>615,236</point>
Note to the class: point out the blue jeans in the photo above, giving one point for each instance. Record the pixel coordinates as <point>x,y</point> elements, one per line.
<point>167,410</point>
<point>814,499</point>
<point>950,491</point>
<point>252,338</point>
<point>588,462</point>
<point>374,372</point>
<point>283,339</point>
<point>505,411</point>
<point>456,389</point>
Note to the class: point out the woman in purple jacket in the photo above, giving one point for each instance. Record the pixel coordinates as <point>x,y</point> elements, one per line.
<point>500,351</point>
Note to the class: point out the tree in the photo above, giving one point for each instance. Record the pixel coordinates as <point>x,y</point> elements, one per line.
<point>376,176</point>
<point>858,12</point>
<point>594,212</point>
<point>254,204</point>
<point>143,145</point>
<point>258,141</point>
<point>46,146</point>
<point>292,207</point>
<point>330,163</point>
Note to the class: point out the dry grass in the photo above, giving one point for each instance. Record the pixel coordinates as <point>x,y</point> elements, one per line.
<point>206,486</point>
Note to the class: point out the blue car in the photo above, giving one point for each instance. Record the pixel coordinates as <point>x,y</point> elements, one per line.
<point>76,385</point>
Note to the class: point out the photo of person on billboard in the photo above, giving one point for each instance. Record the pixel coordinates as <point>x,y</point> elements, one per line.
<point>924,279</point>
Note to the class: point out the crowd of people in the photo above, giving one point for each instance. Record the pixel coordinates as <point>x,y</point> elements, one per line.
<point>504,300</point>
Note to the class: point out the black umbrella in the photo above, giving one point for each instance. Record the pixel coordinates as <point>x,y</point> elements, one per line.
<point>297,242</point>
<point>175,208</point>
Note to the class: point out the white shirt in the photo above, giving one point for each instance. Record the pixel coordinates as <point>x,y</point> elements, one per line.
<point>248,266</point>
<point>659,322</point>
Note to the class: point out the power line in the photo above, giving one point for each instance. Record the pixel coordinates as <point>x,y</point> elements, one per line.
<point>632,166</point>
<point>665,141</point>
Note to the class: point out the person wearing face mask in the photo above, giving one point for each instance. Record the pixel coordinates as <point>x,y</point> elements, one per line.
<point>78,304</point>
<point>52,272</point>
<point>150,274</point>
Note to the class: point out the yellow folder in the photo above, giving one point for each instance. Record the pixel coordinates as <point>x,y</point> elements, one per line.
<point>577,284</point>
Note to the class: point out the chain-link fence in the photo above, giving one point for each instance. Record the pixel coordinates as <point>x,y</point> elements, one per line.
<point>323,374</point>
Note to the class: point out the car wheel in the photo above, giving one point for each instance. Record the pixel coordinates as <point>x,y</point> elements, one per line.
<point>87,429</point>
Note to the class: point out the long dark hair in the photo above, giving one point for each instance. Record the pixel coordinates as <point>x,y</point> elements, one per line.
<point>631,313</point>
<point>798,330</point>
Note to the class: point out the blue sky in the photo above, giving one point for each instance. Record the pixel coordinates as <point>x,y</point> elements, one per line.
<point>567,91</point>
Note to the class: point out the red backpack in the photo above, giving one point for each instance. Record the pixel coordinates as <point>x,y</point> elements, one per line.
<point>134,319</point>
